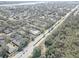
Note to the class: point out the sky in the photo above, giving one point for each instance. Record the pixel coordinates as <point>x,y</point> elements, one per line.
<point>39,0</point>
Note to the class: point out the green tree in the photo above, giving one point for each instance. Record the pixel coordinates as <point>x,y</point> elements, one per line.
<point>36,52</point>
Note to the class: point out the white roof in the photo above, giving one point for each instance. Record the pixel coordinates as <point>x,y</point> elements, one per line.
<point>35,32</point>
<point>11,47</point>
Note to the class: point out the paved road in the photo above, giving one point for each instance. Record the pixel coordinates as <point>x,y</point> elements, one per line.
<point>29,49</point>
